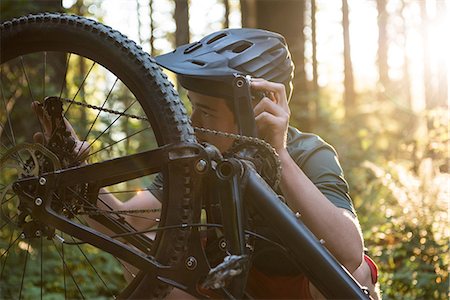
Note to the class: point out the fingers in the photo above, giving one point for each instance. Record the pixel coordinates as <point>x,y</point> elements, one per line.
<point>70,129</point>
<point>46,122</point>
<point>268,105</point>
<point>82,149</point>
<point>276,91</point>
<point>272,112</point>
<point>42,118</point>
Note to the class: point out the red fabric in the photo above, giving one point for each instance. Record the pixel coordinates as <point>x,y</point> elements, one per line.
<point>263,286</point>
<point>373,268</point>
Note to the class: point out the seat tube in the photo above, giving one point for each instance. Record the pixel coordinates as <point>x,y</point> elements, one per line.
<point>230,195</point>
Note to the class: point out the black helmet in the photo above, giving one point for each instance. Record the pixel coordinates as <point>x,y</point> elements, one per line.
<point>208,66</point>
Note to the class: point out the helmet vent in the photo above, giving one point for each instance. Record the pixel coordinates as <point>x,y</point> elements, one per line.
<point>217,37</point>
<point>244,45</point>
<point>197,62</point>
<point>192,48</point>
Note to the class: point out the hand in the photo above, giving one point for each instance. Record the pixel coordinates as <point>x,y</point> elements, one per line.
<point>80,148</point>
<point>272,113</point>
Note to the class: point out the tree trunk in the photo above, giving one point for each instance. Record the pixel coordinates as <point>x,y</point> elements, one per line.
<point>226,21</point>
<point>406,80</point>
<point>442,72</point>
<point>80,9</point>
<point>152,26</point>
<point>287,18</point>
<point>349,93</point>
<point>315,79</point>
<point>382,55</point>
<point>181,16</point>
<point>138,17</point>
<point>428,87</point>
<point>182,22</point>
<point>249,13</point>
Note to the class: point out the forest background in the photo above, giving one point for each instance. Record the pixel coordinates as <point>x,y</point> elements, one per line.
<point>371,78</point>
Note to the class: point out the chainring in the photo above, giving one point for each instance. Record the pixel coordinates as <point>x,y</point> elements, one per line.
<point>264,159</point>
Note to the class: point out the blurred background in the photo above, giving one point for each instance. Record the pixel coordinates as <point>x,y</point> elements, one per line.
<point>371,78</point>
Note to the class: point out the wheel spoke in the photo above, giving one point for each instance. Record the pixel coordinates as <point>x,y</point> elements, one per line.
<point>125,267</point>
<point>114,220</point>
<point>80,87</point>
<point>11,141</point>
<point>42,264</point>
<point>10,220</point>
<point>7,200</point>
<point>18,160</point>
<point>94,269</point>
<point>26,77</point>
<point>9,247</point>
<point>68,271</point>
<point>63,266</point>
<point>65,75</point>
<point>6,111</point>
<point>108,127</point>
<point>45,74</point>
<point>24,270</point>
<point>121,140</point>
<point>29,88</point>
<point>6,257</point>
<point>96,117</point>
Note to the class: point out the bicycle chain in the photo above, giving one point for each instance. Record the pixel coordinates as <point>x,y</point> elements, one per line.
<point>237,137</point>
<point>130,211</point>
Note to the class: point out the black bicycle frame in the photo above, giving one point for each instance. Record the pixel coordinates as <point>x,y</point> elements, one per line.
<point>332,280</point>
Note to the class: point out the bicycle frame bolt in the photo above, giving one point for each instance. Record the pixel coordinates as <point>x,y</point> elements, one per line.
<point>240,83</point>
<point>38,233</point>
<point>191,263</point>
<point>38,201</point>
<point>42,181</point>
<point>223,245</point>
<point>22,236</point>
<point>201,165</point>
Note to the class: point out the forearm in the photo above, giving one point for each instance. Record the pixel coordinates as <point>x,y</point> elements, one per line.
<point>141,201</point>
<point>337,227</point>
<point>105,201</point>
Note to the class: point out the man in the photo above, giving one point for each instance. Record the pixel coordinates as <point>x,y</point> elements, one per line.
<point>312,180</point>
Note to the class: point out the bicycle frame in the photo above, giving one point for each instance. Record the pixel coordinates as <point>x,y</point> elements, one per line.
<point>237,182</point>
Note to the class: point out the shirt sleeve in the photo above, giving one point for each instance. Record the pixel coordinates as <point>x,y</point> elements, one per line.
<point>324,170</point>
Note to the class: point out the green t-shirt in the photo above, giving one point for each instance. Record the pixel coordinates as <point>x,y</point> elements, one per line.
<point>319,162</point>
<point>316,158</point>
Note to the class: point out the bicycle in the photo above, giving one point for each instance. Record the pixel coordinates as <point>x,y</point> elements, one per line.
<point>46,190</point>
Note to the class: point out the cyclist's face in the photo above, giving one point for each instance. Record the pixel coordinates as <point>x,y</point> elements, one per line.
<point>212,113</point>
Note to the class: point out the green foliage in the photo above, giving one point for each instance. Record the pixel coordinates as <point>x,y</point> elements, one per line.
<point>411,244</point>
<point>80,262</point>
<point>396,163</point>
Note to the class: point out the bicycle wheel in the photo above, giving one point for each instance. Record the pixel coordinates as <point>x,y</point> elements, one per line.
<point>117,100</point>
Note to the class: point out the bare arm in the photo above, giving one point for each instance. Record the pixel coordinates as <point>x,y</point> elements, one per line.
<point>143,200</point>
<point>337,227</point>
